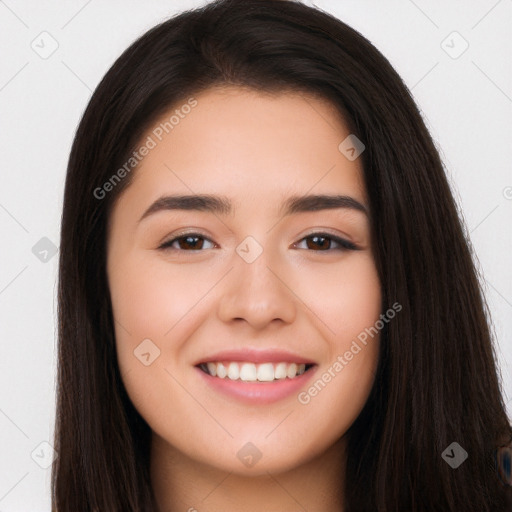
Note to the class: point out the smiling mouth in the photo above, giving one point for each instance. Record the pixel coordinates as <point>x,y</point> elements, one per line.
<point>251,372</point>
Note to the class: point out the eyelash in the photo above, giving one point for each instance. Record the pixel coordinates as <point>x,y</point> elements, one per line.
<point>345,245</point>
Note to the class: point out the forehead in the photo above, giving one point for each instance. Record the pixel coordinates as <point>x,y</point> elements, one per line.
<point>249,145</point>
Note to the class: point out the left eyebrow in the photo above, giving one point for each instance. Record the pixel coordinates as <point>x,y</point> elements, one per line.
<point>314,203</point>
<point>222,205</point>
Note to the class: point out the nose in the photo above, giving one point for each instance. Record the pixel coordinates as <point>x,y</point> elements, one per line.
<point>257,293</point>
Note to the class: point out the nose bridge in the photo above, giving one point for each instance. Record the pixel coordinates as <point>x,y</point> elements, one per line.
<point>255,291</point>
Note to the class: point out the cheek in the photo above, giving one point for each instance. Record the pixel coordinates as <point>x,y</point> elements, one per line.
<point>149,298</point>
<point>346,297</point>
<point>342,384</point>
<point>154,314</point>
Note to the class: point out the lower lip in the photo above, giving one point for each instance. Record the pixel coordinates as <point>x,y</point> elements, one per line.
<point>258,392</point>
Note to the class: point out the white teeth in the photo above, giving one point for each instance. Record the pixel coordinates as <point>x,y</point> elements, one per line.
<point>291,370</point>
<point>221,370</point>
<point>265,372</point>
<point>233,371</point>
<point>280,371</point>
<point>212,368</point>
<point>250,372</point>
<point>247,372</point>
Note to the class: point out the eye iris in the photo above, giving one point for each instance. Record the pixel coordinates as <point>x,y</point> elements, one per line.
<point>189,240</point>
<point>324,245</point>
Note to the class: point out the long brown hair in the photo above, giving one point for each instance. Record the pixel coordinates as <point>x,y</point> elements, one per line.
<point>437,380</point>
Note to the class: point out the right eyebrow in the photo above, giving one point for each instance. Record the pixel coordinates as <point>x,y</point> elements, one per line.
<point>205,203</point>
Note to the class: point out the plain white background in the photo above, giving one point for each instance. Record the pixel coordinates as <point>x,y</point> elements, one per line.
<point>465,95</point>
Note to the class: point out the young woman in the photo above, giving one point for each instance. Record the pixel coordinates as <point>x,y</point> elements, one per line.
<point>266,297</point>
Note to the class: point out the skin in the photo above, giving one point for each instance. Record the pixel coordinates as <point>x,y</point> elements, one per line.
<point>256,149</point>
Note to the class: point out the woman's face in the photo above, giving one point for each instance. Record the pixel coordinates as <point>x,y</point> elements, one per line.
<point>255,278</point>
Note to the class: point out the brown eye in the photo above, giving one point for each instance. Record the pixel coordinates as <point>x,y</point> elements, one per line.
<point>188,242</point>
<point>321,242</point>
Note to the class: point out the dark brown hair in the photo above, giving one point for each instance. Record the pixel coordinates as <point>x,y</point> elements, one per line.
<point>437,379</point>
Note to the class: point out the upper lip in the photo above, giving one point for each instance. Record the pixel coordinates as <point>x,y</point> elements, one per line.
<point>251,355</point>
